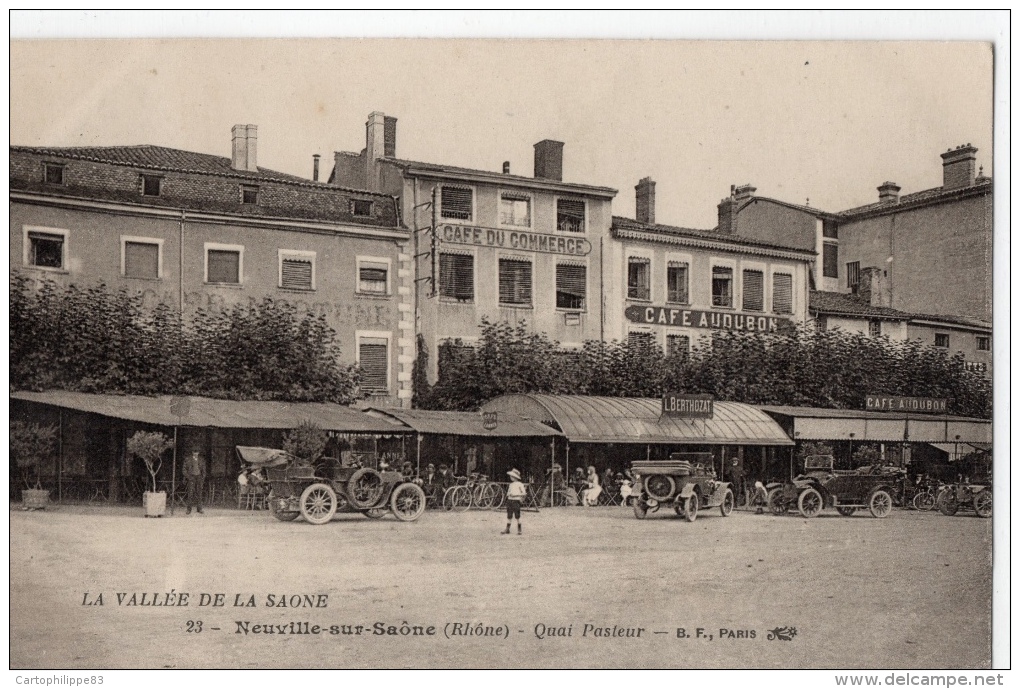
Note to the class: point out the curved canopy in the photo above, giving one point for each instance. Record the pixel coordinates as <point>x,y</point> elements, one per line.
<point>633,420</point>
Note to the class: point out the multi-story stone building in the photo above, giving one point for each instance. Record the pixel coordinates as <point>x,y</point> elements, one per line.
<point>492,245</point>
<point>202,231</point>
<point>674,286</point>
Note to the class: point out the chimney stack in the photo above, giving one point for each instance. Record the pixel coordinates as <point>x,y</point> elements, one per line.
<point>315,167</point>
<point>375,135</point>
<point>390,137</point>
<point>728,214</point>
<point>506,167</point>
<point>549,160</point>
<point>244,148</point>
<point>873,287</point>
<point>744,192</point>
<point>958,167</point>
<point>889,192</point>
<point>645,201</point>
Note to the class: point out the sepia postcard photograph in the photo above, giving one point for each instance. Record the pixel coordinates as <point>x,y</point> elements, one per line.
<point>478,341</point>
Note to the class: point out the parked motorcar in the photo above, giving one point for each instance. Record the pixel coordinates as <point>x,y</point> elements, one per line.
<point>686,483</point>
<point>965,496</point>
<point>821,486</point>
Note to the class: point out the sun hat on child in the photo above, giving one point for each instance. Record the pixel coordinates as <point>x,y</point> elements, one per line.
<point>514,474</point>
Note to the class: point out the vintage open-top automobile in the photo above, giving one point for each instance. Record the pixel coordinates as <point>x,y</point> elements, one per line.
<point>297,488</point>
<point>823,486</point>
<point>686,482</point>
<point>963,496</point>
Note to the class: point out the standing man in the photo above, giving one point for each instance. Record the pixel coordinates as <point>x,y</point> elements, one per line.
<point>194,474</point>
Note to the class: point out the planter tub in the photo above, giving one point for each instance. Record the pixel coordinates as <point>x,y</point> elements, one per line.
<point>154,503</point>
<point>35,499</point>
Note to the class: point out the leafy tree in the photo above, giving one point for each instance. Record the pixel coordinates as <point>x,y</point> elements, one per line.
<point>149,447</point>
<point>306,442</point>
<point>31,444</point>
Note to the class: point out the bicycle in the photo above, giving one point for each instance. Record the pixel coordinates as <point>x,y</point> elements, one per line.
<point>924,500</point>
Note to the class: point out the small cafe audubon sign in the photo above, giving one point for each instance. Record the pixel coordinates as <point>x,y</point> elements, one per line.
<point>715,320</point>
<point>921,405</point>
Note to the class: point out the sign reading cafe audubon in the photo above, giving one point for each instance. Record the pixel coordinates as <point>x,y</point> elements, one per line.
<point>689,318</point>
<point>514,239</point>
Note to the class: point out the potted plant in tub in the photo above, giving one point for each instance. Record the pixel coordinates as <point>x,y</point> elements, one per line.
<point>31,444</point>
<point>149,447</point>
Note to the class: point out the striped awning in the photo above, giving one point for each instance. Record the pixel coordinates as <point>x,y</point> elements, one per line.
<point>635,420</point>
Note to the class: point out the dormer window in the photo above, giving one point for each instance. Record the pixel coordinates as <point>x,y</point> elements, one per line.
<point>249,194</point>
<point>151,185</point>
<point>361,208</point>
<point>53,173</point>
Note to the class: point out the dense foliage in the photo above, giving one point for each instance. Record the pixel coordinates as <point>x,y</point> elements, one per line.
<point>31,444</point>
<point>92,339</point>
<point>149,447</point>
<point>804,367</point>
<point>307,441</point>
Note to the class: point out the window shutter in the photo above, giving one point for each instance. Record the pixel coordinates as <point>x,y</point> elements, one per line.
<point>722,286</point>
<point>571,286</point>
<point>455,203</point>
<point>678,345</point>
<point>296,273</point>
<point>640,339</point>
<point>754,290</point>
<point>372,278</point>
<point>570,215</point>
<point>457,277</point>
<point>638,271</point>
<point>224,266</point>
<point>830,260</point>
<point>514,281</point>
<point>782,293</point>
<point>373,358</point>
<point>676,282</point>
<point>141,260</point>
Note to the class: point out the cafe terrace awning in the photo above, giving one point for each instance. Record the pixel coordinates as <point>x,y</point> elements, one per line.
<point>508,425</point>
<point>633,420</point>
<point>204,412</point>
<point>815,423</point>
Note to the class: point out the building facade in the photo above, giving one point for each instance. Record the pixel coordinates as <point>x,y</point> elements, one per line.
<point>675,286</point>
<point>492,245</point>
<point>198,231</point>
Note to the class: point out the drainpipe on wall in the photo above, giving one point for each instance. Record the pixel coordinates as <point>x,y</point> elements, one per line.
<point>180,271</point>
<point>602,288</point>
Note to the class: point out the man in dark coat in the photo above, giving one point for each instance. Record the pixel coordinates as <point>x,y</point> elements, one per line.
<point>194,474</point>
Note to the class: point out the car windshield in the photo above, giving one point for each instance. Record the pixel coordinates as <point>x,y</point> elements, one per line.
<point>817,462</point>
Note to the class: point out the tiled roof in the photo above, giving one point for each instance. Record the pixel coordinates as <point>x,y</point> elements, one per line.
<point>955,320</point>
<point>918,198</point>
<point>851,305</point>
<point>160,158</point>
<point>451,169</point>
<point>817,212</point>
<point>626,224</point>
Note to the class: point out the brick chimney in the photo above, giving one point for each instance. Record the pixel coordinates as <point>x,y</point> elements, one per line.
<point>874,287</point>
<point>645,201</point>
<point>390,137</point>
<point>728,213</point>
<point>889,192</point>
<point>244,149</point>
<point>744,192</point>
<point>506,167</point>
<point>549,160</point>
<point>315,167</point>
<point>958,167</point>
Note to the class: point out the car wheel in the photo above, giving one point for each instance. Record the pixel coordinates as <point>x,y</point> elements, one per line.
<point>374,513</point>
<point>777,504</point>
<point>947,504</point>
<point>983,503</point>
<point>365,488</point>
<point>640,508</point>
<point>880,503</point>
<point>407,502</point>
<point>318,503</point>
<point>274,510</point>
<point>846,511</point>
<point>691,507</point>
<point>727,503</point>
<point>809,503</point>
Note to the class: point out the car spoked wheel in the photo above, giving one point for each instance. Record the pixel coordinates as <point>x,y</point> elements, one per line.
<point>374,513</point>
<point>274,509</point>
<point>365,488</point>
<point>809,504</point>
<point>777,503</point>
<point>318,503</point>
<point>691,507</point>
<point>727,503</point>
<point>660,487</point>
<point>983,504</point>
<point>880,504</point>
<point>407,502</point>
<point>846,511</point>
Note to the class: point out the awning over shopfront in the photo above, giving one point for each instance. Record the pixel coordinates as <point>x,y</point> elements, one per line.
<point>632,420</point>
<point>508,425</point>
<point>959,450</point>
<point>815,423</point>
<point>204,412</point>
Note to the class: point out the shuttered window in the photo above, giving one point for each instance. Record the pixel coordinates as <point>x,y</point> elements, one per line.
<point>514,209</point>
<point>639,278</point>
<point>141,260</point>
<point>455,203</point>
<point>514,282</point>
<point>754,290</point>
<point>875,328</point>
<point>639,339</point>
<point>678,345</point>
<point>296,273</point>
<point>853,275</point>
<point>676,283</point>
<point>373,356</point>
<point>830,260</point>
<point>722,286</point>
<point>46,250</point>
<point>224,266</point>
<point>571,286</point>
<point>569,215</point>
<point>457,277</point>
<point>782,293</point>
<point>372,277</point>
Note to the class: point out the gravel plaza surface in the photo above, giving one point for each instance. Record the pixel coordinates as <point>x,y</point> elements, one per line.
<point>600,587</point>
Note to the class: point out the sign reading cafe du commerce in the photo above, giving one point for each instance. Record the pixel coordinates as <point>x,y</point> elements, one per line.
<point>514,239</point>
<point>688,318</point>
